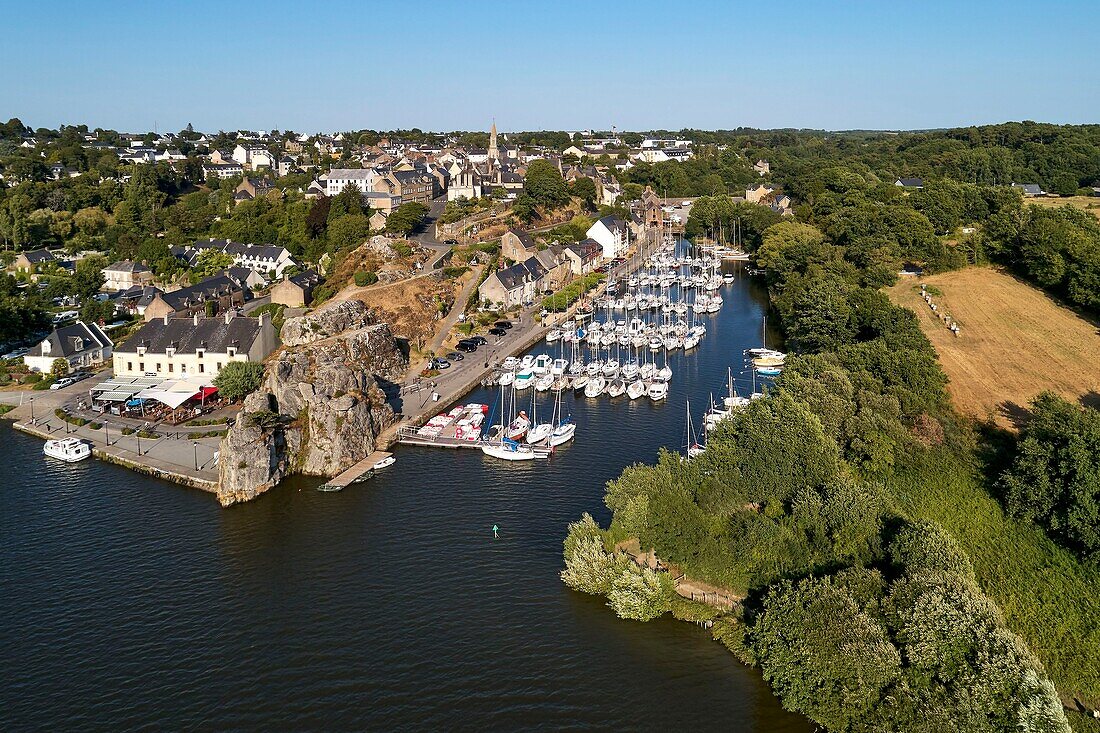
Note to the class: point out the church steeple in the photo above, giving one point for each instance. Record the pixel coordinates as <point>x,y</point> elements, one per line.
<point>494,152</point>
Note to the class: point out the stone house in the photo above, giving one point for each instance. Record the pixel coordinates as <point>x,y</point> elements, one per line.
<point>295,291</point>
<point>30,261</point>
<point>513,285</point>
<point>517,245</point>
<point>126,274</point>
<point>222,290</point>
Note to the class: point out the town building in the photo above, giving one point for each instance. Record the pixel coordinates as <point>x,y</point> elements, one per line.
<point>80,344</point>
<point>126,274</point>
<point>517,245</point>
<point>295,291</point>
<point>583,257</point>
<point>262,258</point>
<point>612,235</point>
<point>31,260</point>
<point>252,188</point>
<point>179,347</point>
<point>211,170</point>
<point>223,291</point>
<point>909,183</point>
<point>514,285</point>
<point>337,179</point>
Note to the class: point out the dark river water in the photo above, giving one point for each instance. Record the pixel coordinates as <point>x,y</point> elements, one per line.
<point>128,602</point>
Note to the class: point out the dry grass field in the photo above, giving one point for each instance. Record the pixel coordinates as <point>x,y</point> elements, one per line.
<point>1014,342</point>
<point>1090,204</point>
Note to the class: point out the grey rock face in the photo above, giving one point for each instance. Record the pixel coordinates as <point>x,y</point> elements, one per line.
<point>325,392</point>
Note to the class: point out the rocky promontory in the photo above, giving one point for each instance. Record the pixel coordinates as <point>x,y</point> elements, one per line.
<point>320,408</point>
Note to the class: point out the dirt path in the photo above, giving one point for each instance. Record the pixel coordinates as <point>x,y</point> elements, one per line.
<point>1014,342</point>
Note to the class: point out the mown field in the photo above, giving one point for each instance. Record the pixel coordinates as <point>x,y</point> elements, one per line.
<point>1014,341</point>
<point>1090,204</point>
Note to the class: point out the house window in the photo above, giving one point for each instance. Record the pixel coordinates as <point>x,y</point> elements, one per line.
<point>129,366</point>
<point>158,367</point>
<point>219,366</point>
<point>141,366</point>
<point>202,368</point>
<point>171,367</point>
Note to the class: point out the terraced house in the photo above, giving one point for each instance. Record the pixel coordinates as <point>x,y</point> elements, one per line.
<point>180,347</point>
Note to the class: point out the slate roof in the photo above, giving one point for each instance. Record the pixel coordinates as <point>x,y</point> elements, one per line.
<point>183,335</point>
<point>63,341</point>
<point>35,256</point>
<point>526,271</point>
<point>911,182</point>
<point>612,222</point>
<point>307,279</point>
<point>208,289</point>
<point>127,266</point>
<point>525,239</point>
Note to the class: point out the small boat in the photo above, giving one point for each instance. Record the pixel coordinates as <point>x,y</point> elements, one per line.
<point>657,391</point>
<point>664,374</point>
<point>554,335</point>
<point>385,463</point>
<point>595,387</point>
<point>690,342</point>
<point>524,378</point>
<point>769,371</point>
<point>508,450</point>
<point>580,382</point>
<point>539,433</point>
<point>510,364</point>
<point>635,389</point>
<point>517,429</point>
<point>594,368</point>
<point>527,361</point>
<point>563,433</point>
<point>542,364</point>
<point>616,388</point>
<point>69,450</point>
<point>768,361</point>
<point>545,382</point>
<point>559,367</point>
<point>610,368</point>
<point>506,378</point>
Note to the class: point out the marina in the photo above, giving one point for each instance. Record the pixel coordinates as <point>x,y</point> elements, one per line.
<point>627,345</point>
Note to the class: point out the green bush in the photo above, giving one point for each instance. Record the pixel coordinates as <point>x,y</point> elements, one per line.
<point>43,383</point>
<point>365,277</point>
<point>238,379</point>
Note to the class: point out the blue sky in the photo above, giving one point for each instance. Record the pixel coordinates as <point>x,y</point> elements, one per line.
<point>549,65</point>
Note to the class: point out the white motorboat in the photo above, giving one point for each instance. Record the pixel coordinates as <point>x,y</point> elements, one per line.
<point>542,364</point>
<point>616,388</point>
<point>594,368</point>
<point>635,389</point>
<point>510,364</point>
<point>559,367</point>
<point>507,378</point>
<point>527,361</point>
<point>524,378</point>
<point>610,368</point>
<point>554,335</point>
<point>545,382</point>
<point>657,391</point>
<point>595,387</point>
<point>385,463</point>
<point>69,450</point>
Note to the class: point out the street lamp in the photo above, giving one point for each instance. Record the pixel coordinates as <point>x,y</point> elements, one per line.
<point>32,410</point>
<point>195,443</point>
<point>106,433</point>
<point>137,434</point>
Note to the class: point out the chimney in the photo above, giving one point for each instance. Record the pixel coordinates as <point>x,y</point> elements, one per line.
<point>196,318</point>
<point>262,320</point>
<point>166,319</point>
<point>228,316</point>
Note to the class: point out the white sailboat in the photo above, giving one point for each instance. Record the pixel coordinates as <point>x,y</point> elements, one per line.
<point>564,429</point>
<point>693,447</point>
<point>595,387</point>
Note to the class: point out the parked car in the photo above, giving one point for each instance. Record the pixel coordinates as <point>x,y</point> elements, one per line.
<point>477,340</point>
<point>455,356</point>
<point>494,331</point>
<point>503,324</point>
<point>439,363</point>
<point>62,383</point>
<point>77,376</point>
<point>466,346</point>
<point>450,242</point>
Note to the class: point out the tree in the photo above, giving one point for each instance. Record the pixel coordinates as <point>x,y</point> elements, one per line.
<point>237,379</point>
<point>348,231</point>
<point>640,594</point>
<point>89,278</point>
<point>406,218</point>
<point>584,188</point>
<point>544,185</point>
<point>210,261</point>
<point>59,367</point>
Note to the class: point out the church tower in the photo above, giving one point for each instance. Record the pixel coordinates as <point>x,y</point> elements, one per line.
<point>494,152</point>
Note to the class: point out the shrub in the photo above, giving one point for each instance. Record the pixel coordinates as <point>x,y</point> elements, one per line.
<point>365,277</point>
<point>641,595</point>
<point>238,379</point>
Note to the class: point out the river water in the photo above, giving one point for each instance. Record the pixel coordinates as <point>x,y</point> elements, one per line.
<point>130,602</point>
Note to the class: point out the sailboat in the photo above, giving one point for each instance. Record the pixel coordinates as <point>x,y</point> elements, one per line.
<point>657,391</point>
<point>505,447</point>
<point>635,389</point>
<point>616,387</point>
<point>595,387</point>
<point>564,429</point>
<point>693,447</point>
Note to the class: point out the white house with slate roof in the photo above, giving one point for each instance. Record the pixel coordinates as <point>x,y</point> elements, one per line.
<point>81,344</point>
<point>197,346</point>
<point>612,234</point>
<point>513,285</point>
<point>261,258</point>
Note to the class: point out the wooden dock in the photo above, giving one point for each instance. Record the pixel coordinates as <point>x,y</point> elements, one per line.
<point>360,471</point>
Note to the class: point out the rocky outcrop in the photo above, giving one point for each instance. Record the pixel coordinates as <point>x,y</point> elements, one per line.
<point>327,322</point>
<point>320,409</point>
